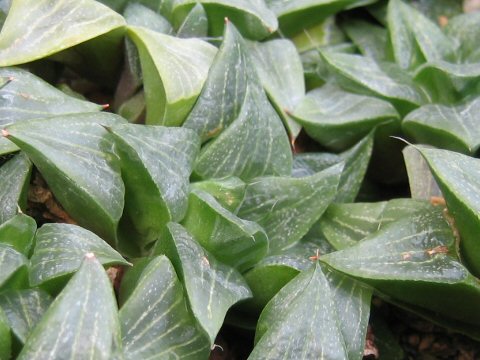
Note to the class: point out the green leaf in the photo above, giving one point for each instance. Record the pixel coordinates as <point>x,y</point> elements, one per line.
<point>422,183</point>
<point>253,18</point>
<point>344,225</point>
<point>23,309</point>
<point>60,248</point>
<point>294,15</point>
<point>48,27</point>
<point>233,241</point>
<point>448,127</point>
<point>415,38</point>
<point>370,39</point>
<point>414,260</point>
<point>11,262</point>
<point>464,29</point>
<point>212,287</point>
<point>5,337</point>
<point>18,232</point>
<point>195,24</point>
<point>156,322</point>
<point>356,162</point>
<point>229,192</point>
<point>74,155</point>
<point>156,164</point>
<point>287,207</point>
<point>382,79</point>
<point>324,34</point>
<point>82,321</point>
<point>255,144</point>
<point>316,315</point>
<point>137,14</point>
<point>281,73</point>
<point>458,176</point>
<point>14,180</point>
<point>338,119</point>
<point>174,71</point>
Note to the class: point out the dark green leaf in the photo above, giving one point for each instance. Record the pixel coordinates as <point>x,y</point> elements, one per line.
<point>74,155</point>
<point>156,164</point>
<point>287,207</point>
<point>18,232</point>
<point>5,337</point>
<point>229,192</point>
<point>60,248</point>
<point>82,321</point>
<point>195,24</point>
<point>48,27</point>
<point>212,287</point>
<point>233,241</point>
<point>23,309</point>
<point>11,261</point>
<point>156,322</point>
<point>338,119</point>
<point>174,72</point>
<point>14,180</point>
<point>370,39</point>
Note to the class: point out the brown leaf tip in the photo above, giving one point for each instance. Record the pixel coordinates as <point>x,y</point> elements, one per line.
<point>89,256</point>
<point>5,133</point>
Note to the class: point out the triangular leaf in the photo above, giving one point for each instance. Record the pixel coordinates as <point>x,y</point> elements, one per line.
<point>52,26</point>
<point>74,155</point>
<point>287,207</point>
<point>156,322</point>
<point>212,287</point>
<point>174,71</point>
<point>81,322</point>
<point>370,39</point>
<point>422,183</point>
<point>18,232</point>
<point>59,250</point>
<point>195,24</point>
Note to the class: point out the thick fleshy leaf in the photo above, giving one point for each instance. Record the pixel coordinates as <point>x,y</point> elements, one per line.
<point>414,260</point>
<point>223,94</point>
<point>458,176</point>
<point>454,128</point>
<point>229,192</point>
<point>82,321</point>
<point>23,309</point>
<point>5,337</point>
<point>156,322</point>
<point>233,241</point>
<point>287,207</point>
<point>281,73</point>
<point>422,183</point>
<point>174,71</point>
<point>316,315</point>
<point>74,155</point>
<point>18,232</point>
<point>137,14</point>
<point>252,17</point>
<point>212,287</point>
<point>14,180</point>
<point>415,38</point>
<point>356,162</point>
<point>60,248</point>
<point>338,119</point>
<point>52,26</point>
<point>156,165</point>
<point>255,144</point>
<point>365,75</point>
<point>294,15</point>
<point>370,39</point>
<point>11,261</point>
<point>195,24</point>
<point>344,225</point>
<point>464,28</point>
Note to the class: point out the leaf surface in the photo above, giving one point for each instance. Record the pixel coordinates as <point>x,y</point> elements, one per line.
<point>11,262</point>
<point>156,322</point>
<point>229,192</point>
<point>5,337</point>
<point>18,232</point>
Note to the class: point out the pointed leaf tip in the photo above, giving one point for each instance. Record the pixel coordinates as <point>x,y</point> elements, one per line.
<point>5,133</point>
<point>105,106</point>
<point>89,256</point>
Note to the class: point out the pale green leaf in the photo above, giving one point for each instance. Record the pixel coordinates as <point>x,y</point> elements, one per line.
<point>156,322</point>
<point>74,155</point>
<point>465,30</point>
<point>211,286</point>
<point>233,241</point>
<point>287,207</point>
<point>370,39</point>
<point>14,180</point>
<point>82,321</point>
<point>48,27</point>
<point>136,14</point>
<point>156,165</point>
<point>23,309</point>
<point>60,248</point>
<point>174,71</point>
<point>5,337</point>
<point>18,232</point>
<point>229,192</point>
<point>195,24</point>
<point>252,17</point>
<point>338,119</point>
